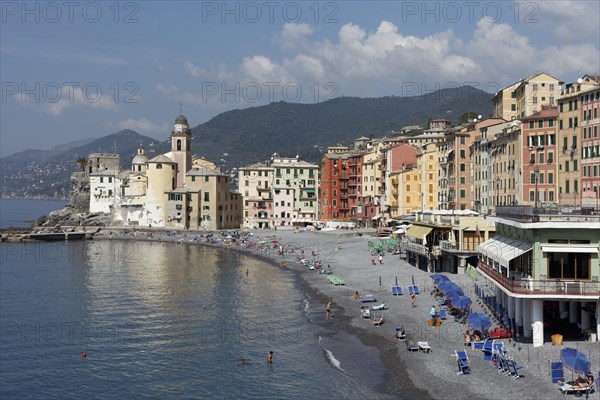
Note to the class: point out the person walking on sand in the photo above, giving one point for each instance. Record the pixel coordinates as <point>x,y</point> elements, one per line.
<point>413,297</point>
<point>328,311</point>
<point>270,358</point>
<point>380,259</point>
<point>373,258</point>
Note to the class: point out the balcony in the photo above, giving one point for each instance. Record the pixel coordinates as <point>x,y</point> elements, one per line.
<point>263,189</point>
<point>343,196</point>
<point>344,207</point>
<point>532,214</point>
<point>451,247</point>
<point>535,288</point>
<point>413,247</point>
<point>383,168</point>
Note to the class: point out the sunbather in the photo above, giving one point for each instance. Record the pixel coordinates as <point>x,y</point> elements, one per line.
<point>467,337</point>
<point>356,295</point>
<point>377,321</point>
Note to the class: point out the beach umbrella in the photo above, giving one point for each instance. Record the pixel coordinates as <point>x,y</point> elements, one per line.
<point>575,360</point>
<point>438,278</point>
<point>479,321</point>
<point>461,301</point>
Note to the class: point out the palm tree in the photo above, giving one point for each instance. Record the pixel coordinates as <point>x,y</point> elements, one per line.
<point>82,162</point>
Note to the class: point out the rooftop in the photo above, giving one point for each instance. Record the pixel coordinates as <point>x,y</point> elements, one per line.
<point>528,217</point>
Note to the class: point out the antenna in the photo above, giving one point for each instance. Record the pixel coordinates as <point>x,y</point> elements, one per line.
<point>180,108</point>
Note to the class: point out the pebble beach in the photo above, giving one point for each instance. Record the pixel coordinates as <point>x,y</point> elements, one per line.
<point>416,375</point>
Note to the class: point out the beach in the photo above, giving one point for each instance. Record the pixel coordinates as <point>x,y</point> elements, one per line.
<point>415,375</point>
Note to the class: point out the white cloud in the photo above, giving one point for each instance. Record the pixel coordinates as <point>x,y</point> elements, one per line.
<point>566,20</point>
<point>294,35</point>
<point>141,125</point>
<point>55,100</point>
<point>379,62</point>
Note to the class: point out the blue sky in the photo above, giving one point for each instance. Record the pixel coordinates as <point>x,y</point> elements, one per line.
<point>78,70</point>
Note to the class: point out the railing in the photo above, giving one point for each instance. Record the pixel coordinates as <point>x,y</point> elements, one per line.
<point>414,247</point>
<point>532,214</point>
<point>458,247</point>
<point>539,287</point>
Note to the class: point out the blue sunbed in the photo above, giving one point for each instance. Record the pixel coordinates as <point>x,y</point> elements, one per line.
<point>556,372</point>
<point>463,362</point>
<point>396,290</point>
<point>413,288</point>
<point>443,313</point>
<point>368,298</point>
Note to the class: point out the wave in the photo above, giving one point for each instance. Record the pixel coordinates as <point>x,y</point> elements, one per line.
<point>332,360</point>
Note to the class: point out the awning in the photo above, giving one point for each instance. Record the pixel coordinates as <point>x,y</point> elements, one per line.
<point>502,249</point>
<point>376,217</point>
<point>310,190</point>
<point>418,232</point>
<point>570,249</point>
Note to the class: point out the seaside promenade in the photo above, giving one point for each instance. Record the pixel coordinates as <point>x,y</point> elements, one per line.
<point>434,372</point>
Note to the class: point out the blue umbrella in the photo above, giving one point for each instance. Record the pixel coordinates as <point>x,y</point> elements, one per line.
<point>461,301</point>
<point>479,321</point>
<point>438,278</point>
<point>575,360</point>
<point>452,293</point>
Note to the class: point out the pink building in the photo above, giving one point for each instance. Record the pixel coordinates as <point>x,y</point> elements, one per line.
<point>590,147</point>
<point>283,207</point>
<point>538,145</point>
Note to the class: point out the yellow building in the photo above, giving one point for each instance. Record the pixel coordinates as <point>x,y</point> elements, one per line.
<point>505,103</point>
<point>534,91</point>
<point>569,141</point>
<point>410,196</point>
<point>427,157</point>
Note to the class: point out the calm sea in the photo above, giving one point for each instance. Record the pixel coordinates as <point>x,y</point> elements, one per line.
<point>18,212</point>
<point>167,321</point>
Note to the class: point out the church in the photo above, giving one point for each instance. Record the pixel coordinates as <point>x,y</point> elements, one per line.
<point>171,190</point>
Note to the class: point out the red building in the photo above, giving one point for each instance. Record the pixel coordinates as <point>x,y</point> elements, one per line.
<point>538,145</point>
<point>341,174</point>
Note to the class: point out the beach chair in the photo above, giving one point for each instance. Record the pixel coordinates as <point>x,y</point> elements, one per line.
<point>487,350</point>
<point>443,315</point>
<point>377,318</point>
<point>557,372</point>
<point>370,298</point>
<point>568,388</point>
<point>378,307</point>
<point>366,313</point>
<point>478,345</point>
<point>463,362</point>
<point>411,346</point>
<point>396,290</point>
<point>515,370</point>
<point>399,334</point>
<point>424,347</point>
<point>413,288</point>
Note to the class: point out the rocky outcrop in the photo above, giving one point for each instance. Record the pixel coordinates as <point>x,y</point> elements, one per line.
<point>77,211</point>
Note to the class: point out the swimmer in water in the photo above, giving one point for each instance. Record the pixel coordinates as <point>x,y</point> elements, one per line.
<point>270,358</point>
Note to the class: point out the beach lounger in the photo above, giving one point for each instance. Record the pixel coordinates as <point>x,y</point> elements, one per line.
<point>377,318</point>
<point>378,307</point>
<point>411,346</point>
<point>399,335</point>
<point>370,298</point>
<point>366,313</point>
<point>396,290</point>
<point>477,345</point>
<point>463,362</point>
<point>515,370</point>
<point>413,288</point>
<point>487,350</point>
<point>424,347</point>
<point>567,388</point>
<point>443,315</point>
<point>557,372</point>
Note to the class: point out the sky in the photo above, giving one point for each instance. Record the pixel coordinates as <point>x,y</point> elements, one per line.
<point>72,70</point>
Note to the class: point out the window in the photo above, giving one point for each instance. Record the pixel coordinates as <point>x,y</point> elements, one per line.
<point>462,180</point>
<point>462,193</point>
<point>574,165</point>
<point>462,140</point>
<point>550,121</point>
<point>574,142</point>
<point>531,195</point>
<point>532,178</point>
<point>462,167</point>
<point>541,123</point>
<point>575,186</point>
<point>551,195</point>
<point>531,125</point>
<point>541,158</point>
<point>462,154</point>
<point>560,124</point>
<point>567,167</point>
<point>567,186</point>
<point>569,266</point>
<point>206,196</point>
<point>550,177</point>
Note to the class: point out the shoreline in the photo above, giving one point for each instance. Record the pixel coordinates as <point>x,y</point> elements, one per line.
<point>411,375</point>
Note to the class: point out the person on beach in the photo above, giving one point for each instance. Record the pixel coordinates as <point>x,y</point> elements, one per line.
<point>356,295</point>
<point>432,313</point>
<point>373,258</point>
<point>413,297</point>
<point>328,311</point>
<point>270,358</point>
<point>380,259</point>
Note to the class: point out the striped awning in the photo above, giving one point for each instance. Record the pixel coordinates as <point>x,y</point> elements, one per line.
<point>502,249</point>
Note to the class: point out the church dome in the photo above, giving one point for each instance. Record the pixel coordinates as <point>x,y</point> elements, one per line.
<point>139,159</point>
<point>181,119</point>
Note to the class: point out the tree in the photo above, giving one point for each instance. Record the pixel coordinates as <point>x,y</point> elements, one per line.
<point>82,162</point>
<point>467,117</point>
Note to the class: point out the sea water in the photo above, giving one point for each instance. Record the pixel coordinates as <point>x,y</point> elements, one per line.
<point>20,213</point>
<point>167,321</point>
